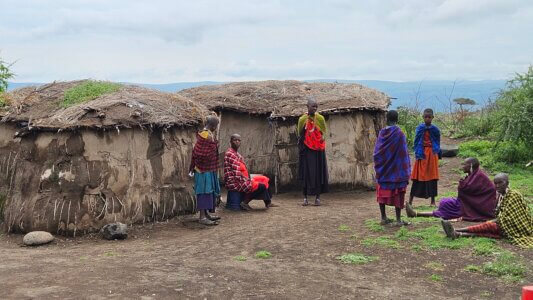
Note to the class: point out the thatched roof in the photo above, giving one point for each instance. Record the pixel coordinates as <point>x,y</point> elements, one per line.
<point>129,106</point>
<point>287,98</point>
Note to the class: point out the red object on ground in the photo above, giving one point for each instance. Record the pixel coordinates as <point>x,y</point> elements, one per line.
<point>527,293</point>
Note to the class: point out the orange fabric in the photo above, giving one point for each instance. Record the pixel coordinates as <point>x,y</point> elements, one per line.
<point>313,136</point>
<point>426,169</point>
<point>259,179</point>
<point>243,170</point>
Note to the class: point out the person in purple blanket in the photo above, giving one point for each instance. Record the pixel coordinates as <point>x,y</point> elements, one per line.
<point>393,168</point>
<point>476,198</point>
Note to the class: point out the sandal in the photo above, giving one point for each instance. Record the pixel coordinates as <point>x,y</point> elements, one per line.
<point>213,218</point>
<point>245,206</point>
<point>317,202</point>
<point>448,229</point>
<point>306,203</point>
<point>402,223</point>
<point>386,221</point>
<point>207,222</point>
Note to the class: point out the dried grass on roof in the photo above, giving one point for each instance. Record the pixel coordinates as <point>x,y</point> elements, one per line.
<point>287,98</point>
<point>128,107</point>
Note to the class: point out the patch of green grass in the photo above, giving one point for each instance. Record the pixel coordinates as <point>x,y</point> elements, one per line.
<point>473,268</point>
<point>344,228</point>
<point>240,258</point>
<point>448,194</point>
<point>435,266</point>
<point>353,237</point>
<point>263,254</point>
<point>417,248</point>
<point>424,208</point>
<point>87,91</point>
<point>383,241</point>
<point>356,258</point>
<point>433,238</point>
<point>374,225</point>
<point>422,220</point>
<point>110,253</point>
<point>435,278</point>
<point>402,234</point>
<point>507,266</point>
<point>84,258</point>
<point>485,246</point>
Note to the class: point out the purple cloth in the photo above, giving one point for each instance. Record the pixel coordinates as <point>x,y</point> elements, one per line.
<point>205,201</point>
<point>449,208</point>
<point>477,194</point>
<point>391,159</point>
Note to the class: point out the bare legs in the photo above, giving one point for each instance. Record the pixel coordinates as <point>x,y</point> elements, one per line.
<point>385,220</point>
<point>306,202</point>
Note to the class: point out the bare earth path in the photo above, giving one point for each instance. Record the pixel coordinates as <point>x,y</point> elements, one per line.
<point>180,260</point>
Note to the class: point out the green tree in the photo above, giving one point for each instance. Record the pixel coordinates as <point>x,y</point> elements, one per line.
<point>514,108</point>
<point>5,74</point>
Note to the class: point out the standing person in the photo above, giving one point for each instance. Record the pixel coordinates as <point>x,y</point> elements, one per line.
<point>393,167</point>
<point>204,165</point>
<point>236,177</point>
<point>425,174</point>
<point>313,168</point>
<point>513,218</point>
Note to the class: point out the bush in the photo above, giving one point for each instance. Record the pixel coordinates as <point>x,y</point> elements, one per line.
<point>513,110</point>
<point>493,155</point>
<point>408,120</point>
<point>88,91</point>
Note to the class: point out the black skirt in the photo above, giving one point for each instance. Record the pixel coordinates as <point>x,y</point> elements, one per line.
<point>312,169</point>
<point>424,189</point>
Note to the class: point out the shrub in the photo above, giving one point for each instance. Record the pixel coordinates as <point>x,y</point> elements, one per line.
<point>408,119</point>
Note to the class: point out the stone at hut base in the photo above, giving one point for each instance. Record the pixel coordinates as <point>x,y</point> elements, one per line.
<point>449,150</point>
<point>115,231</point>
<point>36,238</point>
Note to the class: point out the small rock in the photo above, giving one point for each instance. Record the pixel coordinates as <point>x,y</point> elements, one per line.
<point>36,238</point>
<point>449,150</point>
<point>115,231</point>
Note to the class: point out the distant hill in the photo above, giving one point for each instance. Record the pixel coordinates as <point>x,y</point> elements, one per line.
<point>431,93</point>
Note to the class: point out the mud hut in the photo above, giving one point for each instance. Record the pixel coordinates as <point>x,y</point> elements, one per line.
<point>265,113</point>
<point>120,157</point>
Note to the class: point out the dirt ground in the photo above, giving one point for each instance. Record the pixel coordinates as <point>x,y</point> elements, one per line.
<point>180,259</point>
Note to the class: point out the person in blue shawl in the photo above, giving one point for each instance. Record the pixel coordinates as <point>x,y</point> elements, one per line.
<point>427,152</point>
<point>393,168</point>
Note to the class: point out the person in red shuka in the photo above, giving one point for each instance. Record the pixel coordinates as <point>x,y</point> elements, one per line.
<point>236,177</point>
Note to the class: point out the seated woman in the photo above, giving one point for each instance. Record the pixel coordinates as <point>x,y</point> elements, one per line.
<point>476,199</point>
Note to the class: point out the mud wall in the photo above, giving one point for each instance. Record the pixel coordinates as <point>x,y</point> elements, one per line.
<point>349,148</point>
<point>257,145</point>
<point>76,182</point>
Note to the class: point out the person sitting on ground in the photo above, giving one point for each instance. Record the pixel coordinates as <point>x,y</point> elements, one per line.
<point>476,197</point>
<point>204,165</point>
<point>236,177</point>
<point>393,168</point>
<point>513,218</point>
<point>425,174</point>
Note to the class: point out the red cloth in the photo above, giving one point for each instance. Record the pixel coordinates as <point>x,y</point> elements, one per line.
<point>313,136</point>
<point>395,197</point>
<point>204,154</point>
<point>234,177</point>
<point>488,229</point>
<point>259,179</point>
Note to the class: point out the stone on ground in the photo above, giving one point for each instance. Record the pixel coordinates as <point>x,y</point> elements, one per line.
<point>36,238</point>
<point>449,150</point>
<point>115,231</point>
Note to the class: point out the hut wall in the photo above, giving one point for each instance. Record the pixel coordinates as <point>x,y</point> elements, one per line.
<point>257,145</point>
<point>77,181</point>
<point>349,149</point>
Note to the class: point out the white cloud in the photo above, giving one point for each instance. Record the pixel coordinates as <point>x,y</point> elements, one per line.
<point>166,41</point>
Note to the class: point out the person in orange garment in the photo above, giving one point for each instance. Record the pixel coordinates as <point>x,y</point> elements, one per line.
<point>425,175</point>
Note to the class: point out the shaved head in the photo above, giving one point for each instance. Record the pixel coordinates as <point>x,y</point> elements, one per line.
<point>235,136</point>
<point>474,162</point>
<point>311,100</point>
<point>235,141</point>
<point>501,181</point>
<point>211,122</point>
<point>312,105</point>
<point>502,176</point>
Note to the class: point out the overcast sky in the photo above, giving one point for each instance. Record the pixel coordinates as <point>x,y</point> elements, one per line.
<point>169,41</point>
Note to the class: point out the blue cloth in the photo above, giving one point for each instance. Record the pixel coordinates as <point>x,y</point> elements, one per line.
<point>391,159</point>
<point>206,183</point>
<point>434,135</point>
<point>233,201</point>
